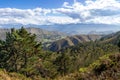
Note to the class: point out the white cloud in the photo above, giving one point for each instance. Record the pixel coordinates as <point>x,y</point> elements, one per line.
<point>94,11</point>
<point>105,20</point>
<point>37,16</point>
<point>62,20</point>
<point>97,11</point>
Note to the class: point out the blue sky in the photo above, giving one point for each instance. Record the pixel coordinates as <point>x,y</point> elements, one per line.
<point>27,4</point>
<point>50,12</point>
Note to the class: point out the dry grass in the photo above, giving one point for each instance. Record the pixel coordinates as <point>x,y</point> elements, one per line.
<point>11,76</point>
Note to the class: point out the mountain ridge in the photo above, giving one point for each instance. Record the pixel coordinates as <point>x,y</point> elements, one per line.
<point>72,41</point>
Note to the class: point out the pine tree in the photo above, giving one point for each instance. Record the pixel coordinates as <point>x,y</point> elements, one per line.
<point>63,62</point>
<point>19,51</point>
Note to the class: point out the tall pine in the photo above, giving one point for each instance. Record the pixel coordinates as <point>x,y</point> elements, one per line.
<point>19,51</point>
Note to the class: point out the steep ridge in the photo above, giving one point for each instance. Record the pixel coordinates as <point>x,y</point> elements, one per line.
<point>71,41</point>
<point>111,38</point>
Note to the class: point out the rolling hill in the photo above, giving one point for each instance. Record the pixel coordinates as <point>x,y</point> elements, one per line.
<point>76,39</point>
<point>71,41</point>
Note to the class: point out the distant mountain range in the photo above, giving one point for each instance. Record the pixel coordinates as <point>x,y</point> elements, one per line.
<point>72,29</point>
<point>42,35</point>
<point>101,32</point>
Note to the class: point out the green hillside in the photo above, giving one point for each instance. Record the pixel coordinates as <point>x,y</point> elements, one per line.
<point>106,67</point>
<point>23,58</point>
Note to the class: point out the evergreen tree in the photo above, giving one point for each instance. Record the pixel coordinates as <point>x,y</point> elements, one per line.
<point>63,62</point>
<point>19,50</point>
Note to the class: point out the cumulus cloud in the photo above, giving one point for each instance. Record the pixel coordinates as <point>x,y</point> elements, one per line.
<point>37,16</point>
<point>91,11</point>
<point>94,11</point>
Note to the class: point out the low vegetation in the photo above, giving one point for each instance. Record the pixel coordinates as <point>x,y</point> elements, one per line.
<point>12,76</point>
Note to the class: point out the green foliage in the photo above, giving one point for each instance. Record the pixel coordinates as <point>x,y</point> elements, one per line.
<point>82,55</point>
<point>83,70</point>
<point>63,63</point>
<point>21,53</point>
<point>18,53</point>
<point>107,67</point>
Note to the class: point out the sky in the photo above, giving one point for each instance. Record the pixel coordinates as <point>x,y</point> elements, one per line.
<point>31,4</point>
<point>50,12</point>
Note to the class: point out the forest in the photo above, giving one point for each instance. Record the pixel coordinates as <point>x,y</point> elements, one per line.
<point>24,58</point>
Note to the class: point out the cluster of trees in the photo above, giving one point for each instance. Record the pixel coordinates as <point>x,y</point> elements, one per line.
<point>71,59</point>
<point>21,53</point>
